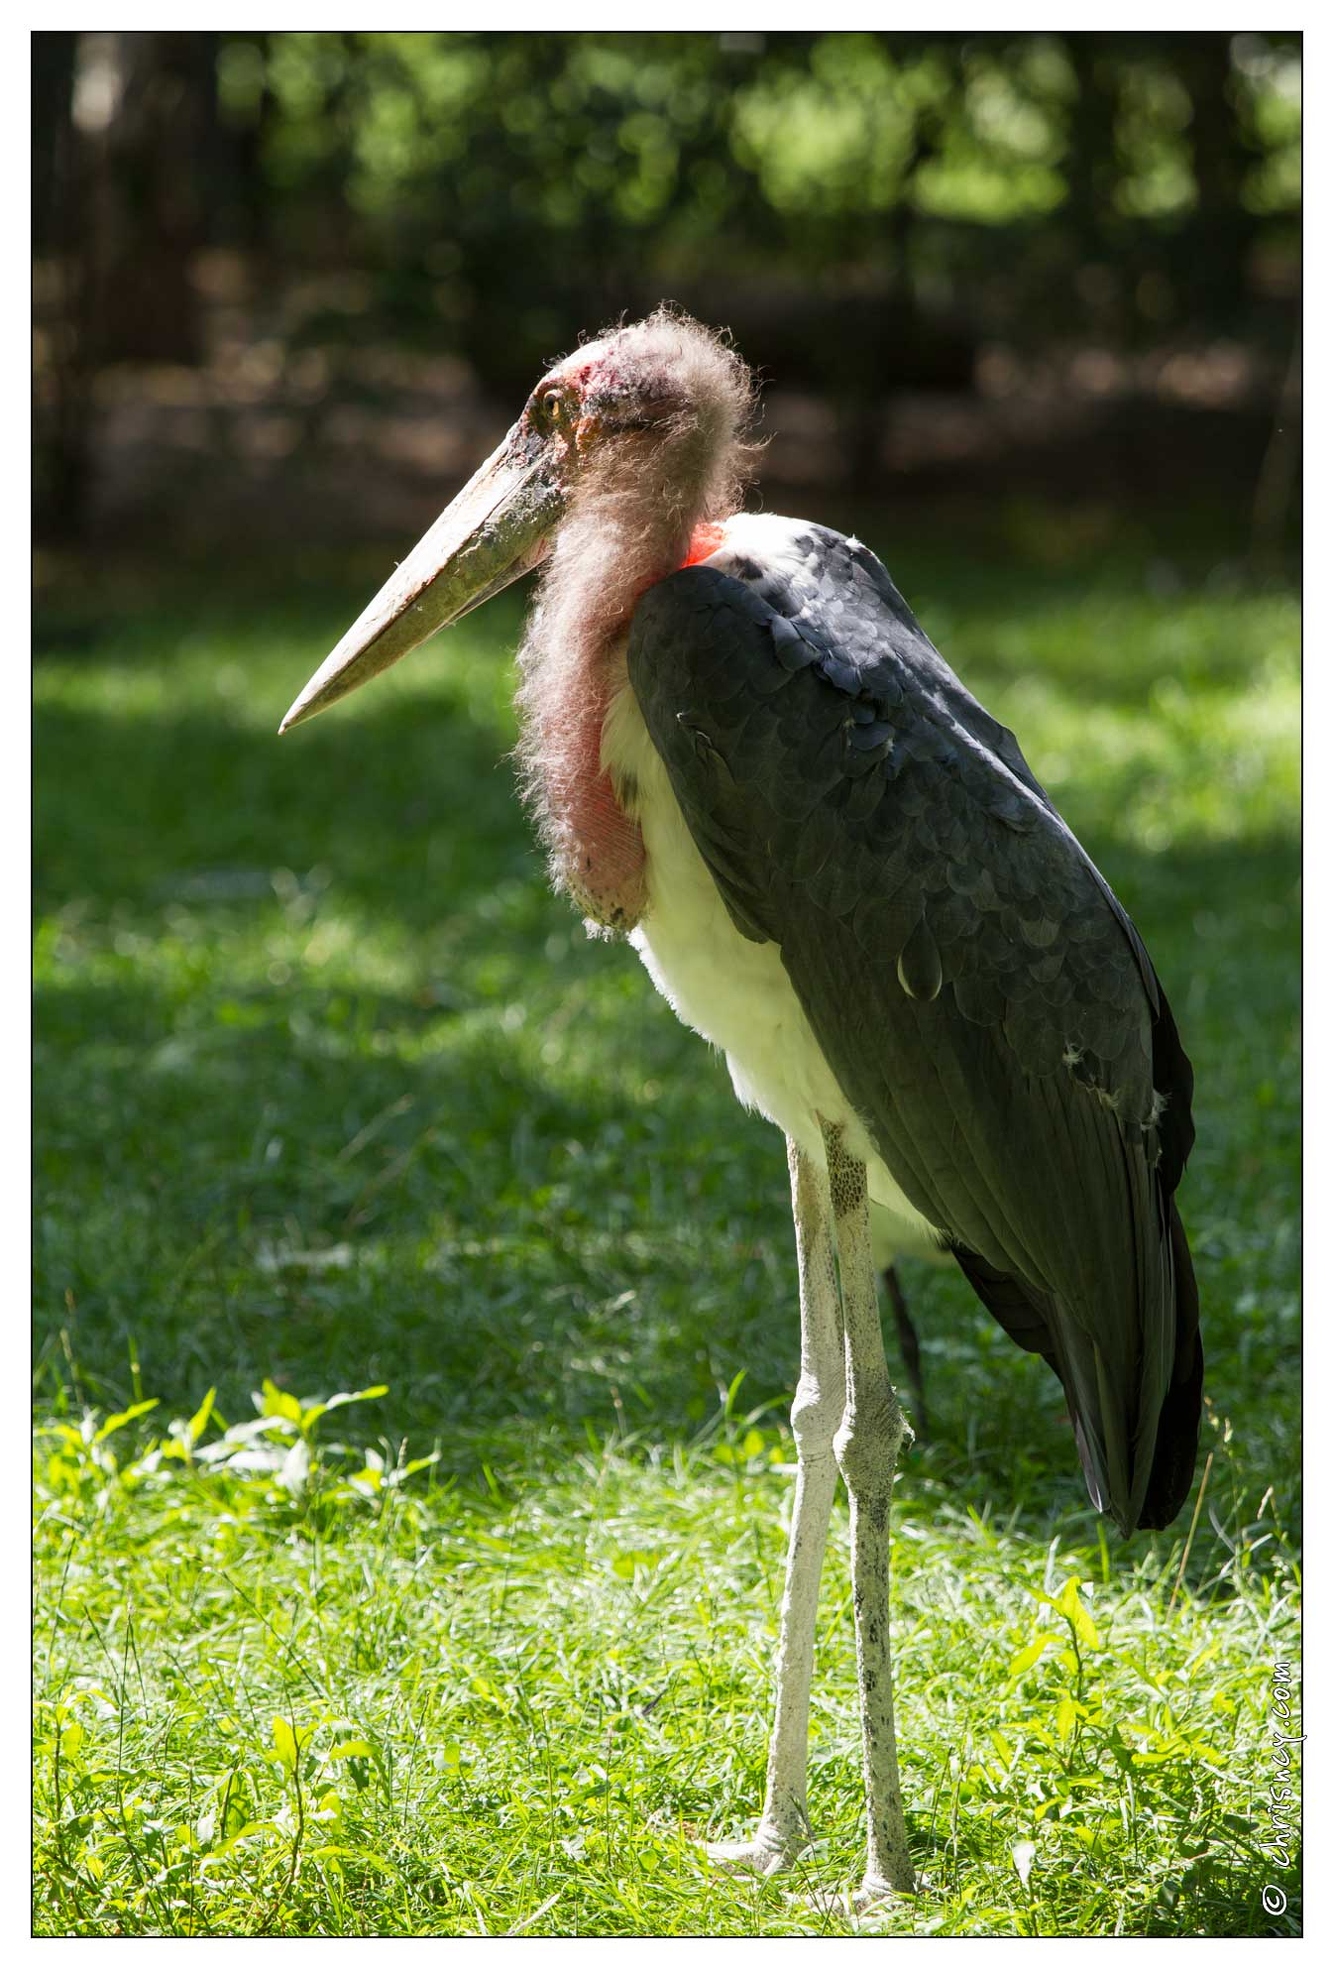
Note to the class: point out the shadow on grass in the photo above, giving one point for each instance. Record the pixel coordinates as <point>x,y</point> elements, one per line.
<point>415,816</point>
<point>522,1227</point>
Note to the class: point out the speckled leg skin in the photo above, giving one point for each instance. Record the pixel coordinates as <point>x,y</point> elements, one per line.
<point>816,1413</point>
<point>867,1446</point>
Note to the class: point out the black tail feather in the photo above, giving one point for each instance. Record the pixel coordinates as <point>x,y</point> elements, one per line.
<point>1179,1418</point>
<point>1032,1321</point>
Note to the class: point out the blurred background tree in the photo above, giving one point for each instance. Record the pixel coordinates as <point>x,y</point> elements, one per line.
<point>298,262</point>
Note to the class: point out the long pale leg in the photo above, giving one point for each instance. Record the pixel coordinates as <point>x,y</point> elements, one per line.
<point>867,1446</point>
<point>816,1412</point>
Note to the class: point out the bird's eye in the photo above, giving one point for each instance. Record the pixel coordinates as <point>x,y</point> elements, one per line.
<point>551,404</point>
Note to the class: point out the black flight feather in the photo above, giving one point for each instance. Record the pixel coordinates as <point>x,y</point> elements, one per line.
<point>981,997</point>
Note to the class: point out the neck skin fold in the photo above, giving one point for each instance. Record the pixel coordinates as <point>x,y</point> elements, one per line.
<point>572,666</point>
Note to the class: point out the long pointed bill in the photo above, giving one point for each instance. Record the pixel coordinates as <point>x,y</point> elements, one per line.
<point>493,532</point>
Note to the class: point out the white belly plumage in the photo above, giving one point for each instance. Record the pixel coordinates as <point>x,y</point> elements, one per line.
<point>735,992</point>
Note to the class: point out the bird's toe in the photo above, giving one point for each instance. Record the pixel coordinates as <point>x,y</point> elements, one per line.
<point>876,1891</point>
<point>759,1855</point>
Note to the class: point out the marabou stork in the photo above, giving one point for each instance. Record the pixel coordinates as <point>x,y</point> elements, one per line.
<point>745,756</point>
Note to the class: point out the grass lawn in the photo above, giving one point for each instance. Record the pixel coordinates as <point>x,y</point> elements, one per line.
<point>333,1097</point>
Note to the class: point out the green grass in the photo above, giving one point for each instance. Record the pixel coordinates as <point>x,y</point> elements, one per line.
<point>332,1095</point>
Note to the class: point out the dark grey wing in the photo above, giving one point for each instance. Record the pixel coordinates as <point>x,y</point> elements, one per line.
<point>981,997</point>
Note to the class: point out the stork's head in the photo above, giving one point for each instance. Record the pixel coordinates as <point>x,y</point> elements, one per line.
<point>643,424</point>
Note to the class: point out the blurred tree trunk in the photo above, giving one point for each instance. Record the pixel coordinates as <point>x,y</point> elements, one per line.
<point>126,139</point>
<point>151,196</point>
<point>1091,171</point>
<point>243,206</point>
<point>1223,228</point>
<point>61,372</point>
<point>896,340</point>
<point>52,98</point>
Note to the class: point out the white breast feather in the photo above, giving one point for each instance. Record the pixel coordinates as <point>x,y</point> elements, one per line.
<point>735,992</point>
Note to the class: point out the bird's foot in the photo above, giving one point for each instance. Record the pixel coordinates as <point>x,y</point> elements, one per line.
<point>769,1852</point>
<point>876,1896</point>
<point>875,1891</point>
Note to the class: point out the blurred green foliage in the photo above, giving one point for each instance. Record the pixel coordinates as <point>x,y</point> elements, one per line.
<point>864,210</point>
<point>512,172</point>
<point>553,177</point>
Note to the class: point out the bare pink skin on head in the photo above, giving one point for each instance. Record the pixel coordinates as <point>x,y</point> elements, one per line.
<point>653,449</point>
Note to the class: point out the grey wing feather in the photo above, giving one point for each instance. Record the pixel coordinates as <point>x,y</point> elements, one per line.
<point>980,995</point>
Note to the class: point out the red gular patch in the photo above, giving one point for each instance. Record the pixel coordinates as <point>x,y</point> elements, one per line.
<point>705,540</point>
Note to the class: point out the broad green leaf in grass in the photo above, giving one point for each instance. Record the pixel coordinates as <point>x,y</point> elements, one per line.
<point>1025,1658</point>
<point>289,1744</point>
<point>115,1422</point>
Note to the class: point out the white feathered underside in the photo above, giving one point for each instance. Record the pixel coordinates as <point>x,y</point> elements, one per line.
<point>735,992</point>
